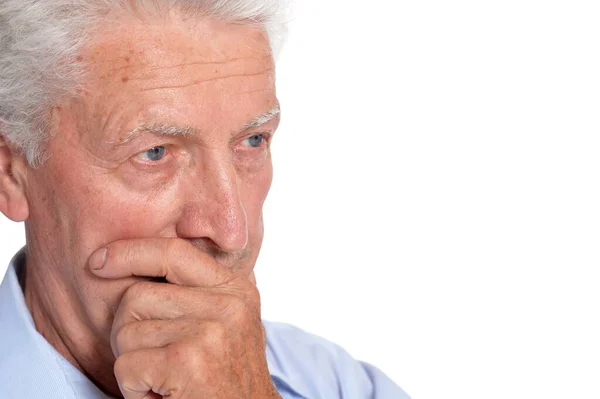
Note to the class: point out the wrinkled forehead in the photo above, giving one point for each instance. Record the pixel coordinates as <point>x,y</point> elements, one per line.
<point>164,42</point>
<point>172,69</point>
<point>143,49</point>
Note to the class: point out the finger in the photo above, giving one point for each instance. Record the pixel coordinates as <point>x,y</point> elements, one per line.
<point>147,300</point>
<point>175,259</point>
<point>163,371</point>
<point>140,374</point>
<point>154,301</point>
<point>149,334</point>
<point>146,334</point>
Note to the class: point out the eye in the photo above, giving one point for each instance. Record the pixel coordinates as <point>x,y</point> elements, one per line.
<point>154,154</point>
<point>256,140</point>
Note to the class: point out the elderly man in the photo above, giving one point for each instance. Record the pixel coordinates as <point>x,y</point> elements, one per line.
<point>135,144</point>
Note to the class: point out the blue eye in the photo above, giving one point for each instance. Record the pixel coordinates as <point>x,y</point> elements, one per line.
<point>256,140</point>
<point>153,154</point>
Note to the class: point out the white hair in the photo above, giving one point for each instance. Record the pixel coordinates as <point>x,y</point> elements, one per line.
<point>40,41</point>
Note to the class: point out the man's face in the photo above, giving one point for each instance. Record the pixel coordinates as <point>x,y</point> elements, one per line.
<point>204,178</point>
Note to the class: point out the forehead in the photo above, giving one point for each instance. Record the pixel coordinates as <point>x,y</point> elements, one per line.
<point>176,71</point>
<point>165,42</point>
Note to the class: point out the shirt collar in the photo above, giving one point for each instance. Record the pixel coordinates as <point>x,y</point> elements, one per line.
<point>33,364</point>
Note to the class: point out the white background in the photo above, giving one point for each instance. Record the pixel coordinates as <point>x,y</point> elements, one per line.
<point>435,208</point>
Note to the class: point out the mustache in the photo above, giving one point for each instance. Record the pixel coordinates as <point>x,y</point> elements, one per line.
<point>225,258</point>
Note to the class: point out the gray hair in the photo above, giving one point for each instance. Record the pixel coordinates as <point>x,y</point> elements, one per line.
<point>40,41</point>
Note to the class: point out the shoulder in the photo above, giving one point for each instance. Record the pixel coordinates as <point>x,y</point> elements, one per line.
<point>287,339</point>
<point>317,368</point>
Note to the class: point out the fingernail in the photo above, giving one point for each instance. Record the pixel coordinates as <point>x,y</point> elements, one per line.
<point>98,259</point>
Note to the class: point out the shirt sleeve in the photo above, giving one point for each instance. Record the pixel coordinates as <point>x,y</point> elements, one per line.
<point>311,367</point>
<point>381,386</point>
<point>361,380</point>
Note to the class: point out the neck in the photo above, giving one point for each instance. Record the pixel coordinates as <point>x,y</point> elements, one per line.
<point>64,326</point>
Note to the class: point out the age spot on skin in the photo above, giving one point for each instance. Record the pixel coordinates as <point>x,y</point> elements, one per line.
<point>125,79</point>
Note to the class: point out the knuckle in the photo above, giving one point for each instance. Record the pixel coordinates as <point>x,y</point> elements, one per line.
<point>122,368</point>
<point>124,337</point>
<point>136,291</point>
<point>125,251</point>
<point>175,255</point>
<point>246,290</point>
<point>126,373</point>
<point>183,355</point>
<point>172,247</point>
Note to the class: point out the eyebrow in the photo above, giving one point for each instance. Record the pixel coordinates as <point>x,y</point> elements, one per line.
<point>262,119</point>
<point>189,131</point>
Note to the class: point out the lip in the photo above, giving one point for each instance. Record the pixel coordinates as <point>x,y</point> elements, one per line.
<point>161,280</point>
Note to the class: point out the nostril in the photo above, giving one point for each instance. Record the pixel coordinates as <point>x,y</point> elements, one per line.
<point>207,245</point>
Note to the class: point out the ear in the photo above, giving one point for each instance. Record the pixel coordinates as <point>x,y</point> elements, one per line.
<point>13,200</point>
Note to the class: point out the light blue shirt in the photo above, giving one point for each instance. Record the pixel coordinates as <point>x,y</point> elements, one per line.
<point>301,365</point>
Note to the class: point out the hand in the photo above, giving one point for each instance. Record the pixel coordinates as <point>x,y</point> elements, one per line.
<point>199,337</point>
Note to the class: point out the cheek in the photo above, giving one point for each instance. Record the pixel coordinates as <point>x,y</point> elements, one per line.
<point>255,189</point>
<point>103,210</point>
<point>126,216</point>
<point>129,221</point>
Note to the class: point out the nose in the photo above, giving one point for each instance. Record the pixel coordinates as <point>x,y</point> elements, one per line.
<point>213,208</point>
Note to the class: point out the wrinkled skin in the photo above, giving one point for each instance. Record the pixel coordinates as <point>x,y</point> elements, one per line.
<point>193,216</point>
